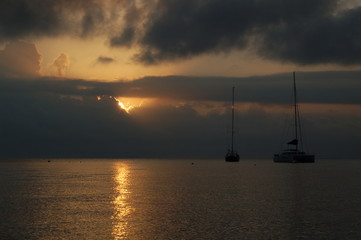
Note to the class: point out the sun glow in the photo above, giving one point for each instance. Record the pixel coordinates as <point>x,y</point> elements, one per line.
<point>127,104</point>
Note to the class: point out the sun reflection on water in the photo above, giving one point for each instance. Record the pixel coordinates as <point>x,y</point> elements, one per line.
<point>122,207</point>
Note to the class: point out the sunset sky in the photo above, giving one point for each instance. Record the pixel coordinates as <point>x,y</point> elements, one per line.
<point>153,78</point>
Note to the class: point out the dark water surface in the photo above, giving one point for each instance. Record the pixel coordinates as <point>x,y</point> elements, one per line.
<point>179,199</point>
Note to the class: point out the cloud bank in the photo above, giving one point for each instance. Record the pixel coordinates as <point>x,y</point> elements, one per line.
<point>57,117</point>
<point>298,31</point>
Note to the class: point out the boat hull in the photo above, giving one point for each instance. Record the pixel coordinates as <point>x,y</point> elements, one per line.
<point>232,158</point>
<point>294,158</point>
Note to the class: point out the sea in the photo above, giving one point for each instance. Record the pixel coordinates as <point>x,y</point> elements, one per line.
<point>146,199</point>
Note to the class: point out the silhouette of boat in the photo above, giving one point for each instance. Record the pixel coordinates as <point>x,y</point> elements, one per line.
<point>232,156</point>
<point>294,152</point>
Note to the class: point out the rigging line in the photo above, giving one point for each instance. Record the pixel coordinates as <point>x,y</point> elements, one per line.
<point>300,129</point>
<point>295,108</point>
<point>287,128</point>
<point>232,117</point>
<point>288,119</point>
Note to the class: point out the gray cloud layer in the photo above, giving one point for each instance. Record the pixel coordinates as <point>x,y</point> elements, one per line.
<point>315,87</point>
<point>299,31</point>
<point>51,117</point>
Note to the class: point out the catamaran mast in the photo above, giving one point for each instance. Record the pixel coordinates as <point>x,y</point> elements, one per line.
<point>296,110</point>
<point>232,118</point>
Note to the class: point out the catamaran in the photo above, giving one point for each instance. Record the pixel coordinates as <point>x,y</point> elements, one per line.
<point>232,155</point>
<point>294,152</point>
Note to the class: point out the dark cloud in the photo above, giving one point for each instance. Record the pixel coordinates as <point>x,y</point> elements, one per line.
<point>60,118</point>
<point>321,39</point>
<point>182,29</point>
<point>105,60</point>
<point>304,32</point>
<point>298,31</point>
<point>132,19</point>
<point>92,18</point>
<point>125,39</point>
<point>22,18</point>
<point>47,125</point>
<point>53,117</point>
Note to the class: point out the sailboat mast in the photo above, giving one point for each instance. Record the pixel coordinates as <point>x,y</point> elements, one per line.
<point>232,118</point>
<point>295,108</point>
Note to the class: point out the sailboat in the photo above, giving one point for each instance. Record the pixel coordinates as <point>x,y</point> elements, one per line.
<point>294,152</point>
<point>232,156</point>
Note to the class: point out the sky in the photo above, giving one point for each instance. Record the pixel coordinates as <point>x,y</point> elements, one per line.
<point>153,78</point>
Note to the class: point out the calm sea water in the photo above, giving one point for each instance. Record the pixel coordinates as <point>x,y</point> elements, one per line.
<point>179,199</point>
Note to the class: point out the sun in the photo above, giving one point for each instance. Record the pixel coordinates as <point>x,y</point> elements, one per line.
<point>126,107</point>
<point>128,104</point>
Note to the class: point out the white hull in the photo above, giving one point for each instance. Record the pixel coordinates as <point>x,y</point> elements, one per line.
<point>294,158</point>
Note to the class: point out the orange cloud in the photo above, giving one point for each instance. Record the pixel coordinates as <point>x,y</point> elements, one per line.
<point>20,59</point>
<point>61,64</point>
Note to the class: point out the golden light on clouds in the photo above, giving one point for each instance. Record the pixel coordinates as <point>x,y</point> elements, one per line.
<point>83,54</point>
<point>129,103</point>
